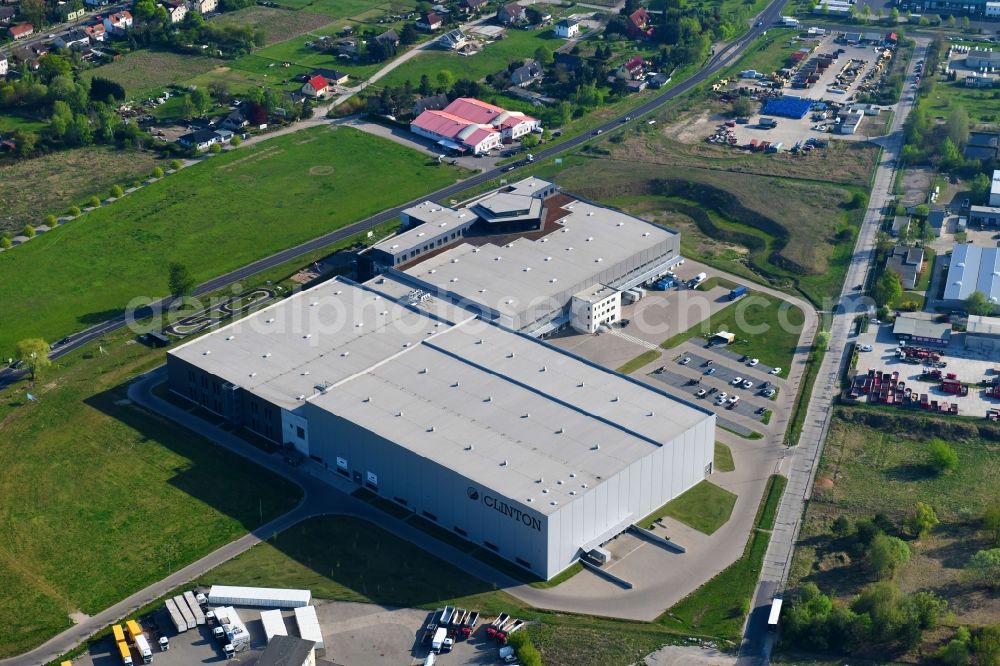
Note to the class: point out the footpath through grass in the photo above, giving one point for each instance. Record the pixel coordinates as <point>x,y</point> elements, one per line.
<point>101,499</point>
<point>766,328</point>
<point>214,217</point>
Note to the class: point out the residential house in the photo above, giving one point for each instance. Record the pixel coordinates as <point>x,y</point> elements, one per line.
<point>567,28</point>
<point>528,73</point>
<point>472,6</point>
<point>432,103</point>
<point>429,22</point>
<point>453,40</point>
<point>204,6</point>
<point>3,65</point>
<point>634,68</point>
<point>201,139</point>
<point>636,86</point>
<point>96,32</point>
<point>512,13</point>
<point>388,38</point>
<point>176,10</point>
<point>334,77</point>
<point>900,226</point>
<point>316,87</point>
<point>7,14</point>
<point>94,4</point>
<point>119,22</point>
<point>906,262</point>
<point>74,39</point>
<point>236,120</point>
<point>657,80</point>
<point>20,31</point>
<point>638,24</point>
<point>66,12</point>
<point>937,220</point>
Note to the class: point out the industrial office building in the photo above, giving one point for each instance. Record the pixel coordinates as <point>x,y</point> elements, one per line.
<point>517,256</point>
<point>506,441</point>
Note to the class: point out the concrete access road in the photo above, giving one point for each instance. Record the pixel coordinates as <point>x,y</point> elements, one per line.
<point>801,464</point>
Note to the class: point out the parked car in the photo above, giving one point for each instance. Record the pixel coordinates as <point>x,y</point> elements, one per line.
<point>769,393</point>
<point>710,371</point>
<point>736,381</point>
<point>701,393</point>
<point>747,384</point>
<point>753,362</point>
<point>865,348</point>
<point>685,360</point>
<point>775,371</point>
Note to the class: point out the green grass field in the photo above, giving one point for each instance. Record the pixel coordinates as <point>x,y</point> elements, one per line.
<point>52,183</point>
<point>766,328</point>
<point>213,217</point>
<point>278,24</point>
<point>706,507</point>
<point>102,499</point>
<point>983,105</point>
<point>723,458</point>
<point>639,361</point>
<point>145,72</point>
<point>518,44</point>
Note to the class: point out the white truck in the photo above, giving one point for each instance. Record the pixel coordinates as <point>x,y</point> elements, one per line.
<point>437,643</point>
<point>142,645</point>
<point>175,616</point>
<point>194,607</point>
<point>185,612</point>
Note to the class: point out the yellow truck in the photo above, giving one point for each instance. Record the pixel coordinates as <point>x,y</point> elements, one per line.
<point>118,632</point>
<point>134,630</point>
<point>125,653</point>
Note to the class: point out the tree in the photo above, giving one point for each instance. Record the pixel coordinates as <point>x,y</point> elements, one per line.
<point>445,79</point>
<point>5,243</point>
<point>28,231</point>
<point>529,140</point>
<point>74,210</point>
<point>985,567</point>
<point>543,54</point>
<point>177,164</point>
<point>887,288</point>
<point>991,521</point>
<point>894,16</point>
<point>235,141</point>
<point>986,645</point>
<point>34,354</point>
<point>921,520</point>
<point>841,527</point>
<point>198,96</point>
<point>188,109</point>
<point>215,149</point>
<point>26,142</point>
<point>179,280</point>
<point>956,651</point>
<point>117,191</point>
<point>886,555</point>
<point>941,457</point>
<point>957,126</point>
<point>219,90</point>
<point>408,35</point>
<point>980,187</point>
<point>823,340</point>
<point>978,304</point>
<point>742,106</point>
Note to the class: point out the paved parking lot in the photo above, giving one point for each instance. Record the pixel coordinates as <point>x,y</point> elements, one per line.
<point>970,366</point>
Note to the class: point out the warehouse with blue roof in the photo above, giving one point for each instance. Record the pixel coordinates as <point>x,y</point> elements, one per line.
<point>787,106</point>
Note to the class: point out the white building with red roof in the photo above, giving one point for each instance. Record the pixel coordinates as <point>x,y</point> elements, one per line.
<point>317,86</point>
<point>119,22</point>
<point>472,125</point>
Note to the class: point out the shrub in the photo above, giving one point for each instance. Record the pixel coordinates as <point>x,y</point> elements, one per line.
<point>50,220</point>
<point>74,210</point>
<point>157,172</point>
<point>236,141</point>
<point>941,457</point>
<point>117,191</point>
<point>921,521</point>
<point>526,651</point>
<point>215,149</point>
<point>176,164</point>
<point>886,555</point>
<point>28,231</point>
<point>136,183</point>
<point>841,526</point>
<point>5,243</point>
<point>94,202</point>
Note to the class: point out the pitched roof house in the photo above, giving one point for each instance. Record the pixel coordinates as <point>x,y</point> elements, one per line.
<point>638,24</point>
<point>471,6</point>
<point>526,74</point>
<point>429,21</point>
<point>512,13</point>
<point>20,31</point>
<point>317,86</point>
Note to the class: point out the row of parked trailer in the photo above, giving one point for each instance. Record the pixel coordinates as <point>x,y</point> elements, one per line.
<point>888,389</point>
<point>186,610</point>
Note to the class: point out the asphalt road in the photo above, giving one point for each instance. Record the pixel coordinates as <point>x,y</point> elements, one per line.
<point>723,57</point>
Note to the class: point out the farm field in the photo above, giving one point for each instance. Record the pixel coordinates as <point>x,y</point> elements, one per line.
<point>494,57</point>
<point>348,8</point>
<point>102,499</point>
<point>876,461</point>
<point>747,317</point>
<point>144,72</point>
<point>278,24</point>
<point>213,217</point>
<point>732,220</point>
<point>52,183</point>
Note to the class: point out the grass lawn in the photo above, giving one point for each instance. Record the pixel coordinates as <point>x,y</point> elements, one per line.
<point>346,8</point>
<point>102,499</point>
<point>278,24</point>
<point>349,560</point>
<point>494,57</point>
<point>706,507</point>
<point>144,72</point>
<point>766,328</point>
<point>213,217</point>
<point>12,122</point>
<point>768,55</point>
<point>723,458</point>
<point>730,219</point>
<point>882,467</point>
<point>52,183</point>
<point>924,280</point>
<point>983,105</point>
<point>639,361</point>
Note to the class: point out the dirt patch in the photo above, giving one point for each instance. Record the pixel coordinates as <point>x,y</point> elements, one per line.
<point>320,170</point>
<point>824,483</point>
<point>694,129</point>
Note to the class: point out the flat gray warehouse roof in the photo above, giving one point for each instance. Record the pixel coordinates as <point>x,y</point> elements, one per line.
<point>495,406</point>
<point>973,268</point>
<point>527,271</point>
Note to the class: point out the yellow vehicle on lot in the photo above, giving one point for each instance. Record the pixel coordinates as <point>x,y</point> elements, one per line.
<point>134,630</point>
<point>125,653</point>
<point>118,632</point>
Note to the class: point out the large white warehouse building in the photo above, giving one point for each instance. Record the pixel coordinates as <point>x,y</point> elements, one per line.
<point>506,441</point>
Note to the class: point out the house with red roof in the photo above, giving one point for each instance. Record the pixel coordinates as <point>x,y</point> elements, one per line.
<point>471,125</point>
<point>638,24</point>
<point>119,22</point>
<point>96,32</point>
<point>634,67</point>
<point>429,22</point>
<point>512,13</point>
<point>317,87</point>
<point>20,31</point>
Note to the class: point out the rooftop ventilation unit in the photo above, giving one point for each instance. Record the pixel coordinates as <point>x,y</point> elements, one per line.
<point>595,447</point>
